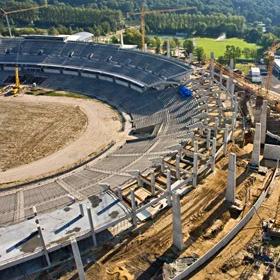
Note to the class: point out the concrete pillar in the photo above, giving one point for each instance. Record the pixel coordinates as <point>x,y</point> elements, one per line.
<point>94,240</point>
<point>264,121</point>
<point>162,167</point>
<point>208,143</point>
<point>119,193</point>
<point>133,207</point>
<point>195,146</point>
<point>195,169</point>
<point>168,48</point>
<point>190,58</point>
<point>78,259</point>
<point>178,175</point>
<point>82,213</point>
<point>168,187</point>
<point>43,245</point>
<point>34,209</point>
<point>226,132</point>
<point>177,223</point>
<point>232,88</point>
<point>213,153</point>
<point>221,76</point>
<point>257,146</point>
<point>153,183</point>
<point>139,181</point>
<point>122,43</point>
<point>231,179</point>
<point>212,65</point>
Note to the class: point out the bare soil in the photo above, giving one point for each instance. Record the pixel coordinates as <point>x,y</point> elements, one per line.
<point>30,131</point>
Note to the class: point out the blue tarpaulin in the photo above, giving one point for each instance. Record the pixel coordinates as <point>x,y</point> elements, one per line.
<point>184,91</point>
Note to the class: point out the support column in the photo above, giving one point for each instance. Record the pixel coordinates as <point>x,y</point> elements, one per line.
<point>162,168</point>
<point>133,207</point>
<point>153,183</point>
<point>178,175</point>
<point>208,143</point>
<point>226,131</point>
<point>212,65</point>
<point>82,213</point>
<point>255,161</point>
<point>44,245</point>
<point>177,224</point>
<point>195,146</point>
<point>213,154</point>
<point>94,240</point>
<point>78,259</point>
<point>119,193</point>
<point>264,121</point>
<point>139,181</point>
<point>168,187</point>
<point>231,179</point>
<point>195,167</point>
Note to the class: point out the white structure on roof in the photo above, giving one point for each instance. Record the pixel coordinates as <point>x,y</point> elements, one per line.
<point>80,37</point>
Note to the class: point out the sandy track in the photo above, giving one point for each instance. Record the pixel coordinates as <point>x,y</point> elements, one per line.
<point>75,134</point>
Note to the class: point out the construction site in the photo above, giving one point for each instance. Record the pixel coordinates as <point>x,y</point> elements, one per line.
<point>122,164</point>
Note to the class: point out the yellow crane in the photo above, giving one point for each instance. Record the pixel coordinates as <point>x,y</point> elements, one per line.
<point>144,12</point>
<point>7,13</point>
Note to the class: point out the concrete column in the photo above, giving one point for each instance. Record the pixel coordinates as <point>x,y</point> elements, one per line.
<point>78,259</point>
<point>133,207</point>
<point>190,58</point>
<point>231,179</point>
<point>208,143</point>
<point>162,167</point>
<point>153,183</point>
<point>178,175</point>
<point>43,245</point>
<point>177,224</point>
<point>168,187</point>
<point>195,146</point>
<point>221,77</point>
<point>195,169</point>
<point>257,146</point>
<point>264,121</point>
<point>232,88</point>
<point>94,240</point>
<point>82,213</point>
<point>213,153</point>
<point>139,181</point>
<point>35,214</point>
<point>226,131</point>
<point>119,193</point>
<point>212,65</point>
<point>168,48</point>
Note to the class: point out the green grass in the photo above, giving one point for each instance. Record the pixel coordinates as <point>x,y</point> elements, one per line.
<point>218,47</point>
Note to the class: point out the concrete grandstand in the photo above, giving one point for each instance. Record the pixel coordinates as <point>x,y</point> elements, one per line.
<point>177,140</point>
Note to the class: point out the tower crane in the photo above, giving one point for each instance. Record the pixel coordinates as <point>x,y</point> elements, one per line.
<point>144,12</point>
<point>7,13</point>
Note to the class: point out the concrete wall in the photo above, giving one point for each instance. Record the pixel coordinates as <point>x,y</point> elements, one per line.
<point>105,78</point>
<point>122,83</point>
<point>226,239</point>
<point>70,72</point>
<point>88,75</point>
<point>271,152</point>
<point>50,70</point>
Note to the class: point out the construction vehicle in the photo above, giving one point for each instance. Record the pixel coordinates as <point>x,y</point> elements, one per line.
<point>144,12</point>
<point>7,13</point>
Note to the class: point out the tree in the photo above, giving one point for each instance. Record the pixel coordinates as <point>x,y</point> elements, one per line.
<point>132,36</point>
<point>188,46</point>
<point>200,54</point>
<point>232,52</point>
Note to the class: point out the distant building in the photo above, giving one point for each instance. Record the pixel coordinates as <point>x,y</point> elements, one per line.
<point>77,37</point>
<point>81,37</point>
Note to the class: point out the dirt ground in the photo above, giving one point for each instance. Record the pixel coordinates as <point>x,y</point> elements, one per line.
<point>41,135</point>
<point>31,131</point>
<point>142,257</point>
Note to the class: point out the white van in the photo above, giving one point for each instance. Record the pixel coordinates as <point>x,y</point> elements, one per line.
<point>255,74</point>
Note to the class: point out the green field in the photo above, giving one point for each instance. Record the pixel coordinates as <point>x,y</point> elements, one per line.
<point>219,47</point>
<point>210,44</point>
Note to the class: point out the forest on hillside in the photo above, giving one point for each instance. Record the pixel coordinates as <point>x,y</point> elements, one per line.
<point>206,17</point>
